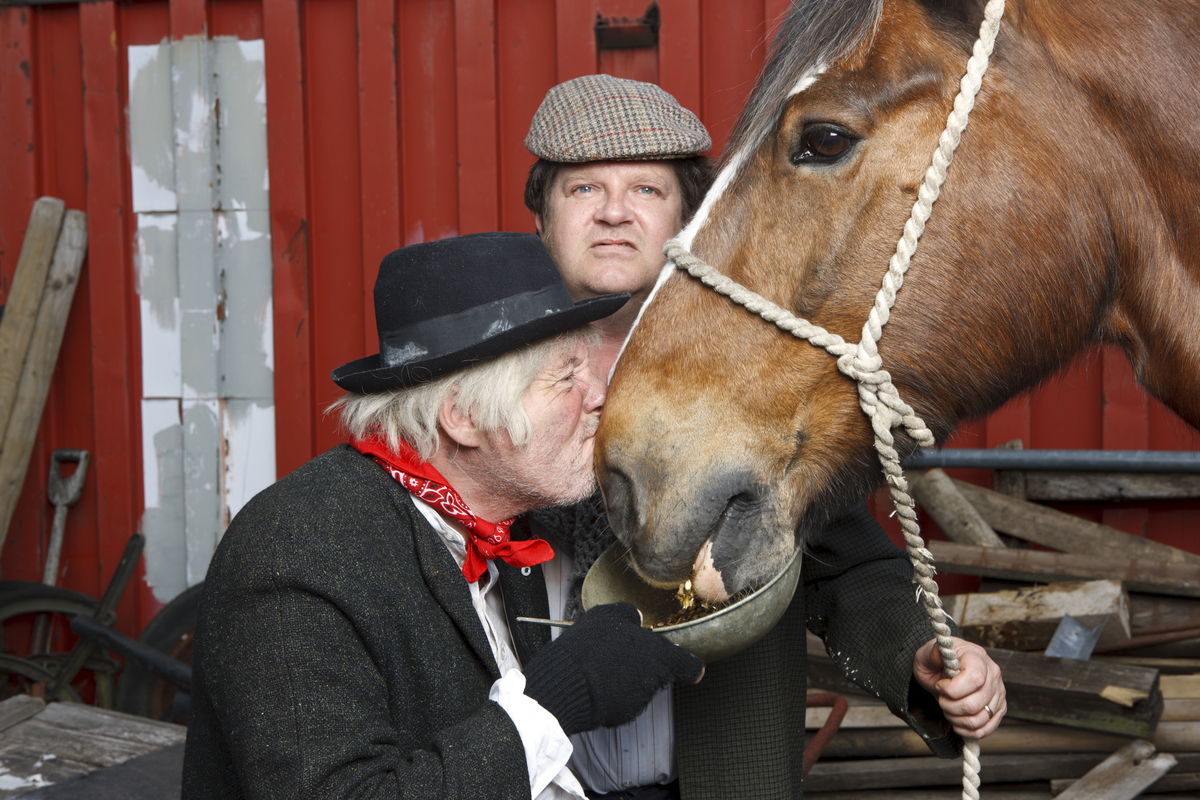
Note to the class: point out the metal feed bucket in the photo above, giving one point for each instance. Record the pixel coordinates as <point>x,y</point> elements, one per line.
<point>718,635</point>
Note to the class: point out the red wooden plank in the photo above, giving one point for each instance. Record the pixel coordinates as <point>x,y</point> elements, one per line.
<point>113,334</point>
<point>1009,422</point>
<point>478,136</point>
<point>379,144</point>
<point>1125,421</point>
<point>146,23</point>
<point>142,24</point>
<point>240,18</point>
<point>17,169</point>
<point>679,53</point>
<point>527,68</point>
<point>634,63</point>
<point>18,191</point>
<point>287,143</point>
<point>428,116</point>
<point>335,199</point>
<point>732,36</point>
<point>1125,425</point>
<point>575,37</point>
<point>1066,410</point>
<point>188,18</point>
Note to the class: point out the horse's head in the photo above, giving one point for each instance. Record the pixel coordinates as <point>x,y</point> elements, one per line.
<point>725,438</point>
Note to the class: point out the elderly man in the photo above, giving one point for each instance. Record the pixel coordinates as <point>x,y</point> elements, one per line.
<point>619,171</point>
<point>357,634</point>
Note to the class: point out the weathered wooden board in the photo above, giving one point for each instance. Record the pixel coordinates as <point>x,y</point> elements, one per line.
<point>888,773</point>
<point>1026,618</point>
<point>1123,775</point>
<point>25,296</point>
<point>1037,566</point>
<point>1065,532</point>
<point>1180,687</point>
<point>959,520</point>
<point>1011,737</point>
<point>1113,698</point>
<point>40,358</point>
<point>1109,486</point>
<point>1187,783</point>
<point>68,739</point>
<point>1023,793</point>
<point>18,709</point>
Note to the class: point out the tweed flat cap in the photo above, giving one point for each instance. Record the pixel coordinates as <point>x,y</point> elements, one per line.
<point>602,118</point>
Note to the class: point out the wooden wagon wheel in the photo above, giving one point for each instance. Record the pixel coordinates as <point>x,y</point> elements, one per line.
<point>172,631</point>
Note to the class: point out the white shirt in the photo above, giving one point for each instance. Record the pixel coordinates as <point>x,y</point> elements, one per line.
<point>547,748</point>
<point>639,753</point>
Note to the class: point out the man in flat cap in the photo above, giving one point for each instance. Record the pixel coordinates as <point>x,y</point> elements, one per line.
<point>357,635</point>
<point>620,170</point>
<point>620,166</point>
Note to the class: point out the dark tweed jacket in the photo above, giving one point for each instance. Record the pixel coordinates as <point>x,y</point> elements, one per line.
<point>338,655</point>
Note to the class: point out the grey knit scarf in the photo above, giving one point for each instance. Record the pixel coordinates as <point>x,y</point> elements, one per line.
<point>581,529</point>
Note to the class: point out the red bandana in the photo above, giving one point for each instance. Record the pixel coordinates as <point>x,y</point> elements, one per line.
<point>487,540</point>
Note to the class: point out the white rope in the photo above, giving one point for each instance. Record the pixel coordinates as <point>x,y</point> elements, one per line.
<point>877,396</point>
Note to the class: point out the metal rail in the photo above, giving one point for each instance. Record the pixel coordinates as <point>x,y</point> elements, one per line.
<point>1074,460</point>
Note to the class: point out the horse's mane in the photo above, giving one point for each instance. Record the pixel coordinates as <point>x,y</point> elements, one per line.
<point>819,32</point>
<point>815,32</point>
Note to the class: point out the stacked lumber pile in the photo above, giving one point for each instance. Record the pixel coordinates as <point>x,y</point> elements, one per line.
<point>1122,723</point>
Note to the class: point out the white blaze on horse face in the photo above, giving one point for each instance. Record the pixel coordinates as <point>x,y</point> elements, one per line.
<point>807,80</point>
<point>686,236</point>
<point>726,176</point>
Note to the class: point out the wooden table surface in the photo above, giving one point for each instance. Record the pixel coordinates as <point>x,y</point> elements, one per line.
<point>42,744</point>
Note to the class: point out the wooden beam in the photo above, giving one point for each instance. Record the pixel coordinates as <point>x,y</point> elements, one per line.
<point>1113,698</point>
<point>1036,566</point>
<point>1065,532</point>
<point>894,773</point>
<point>1011,737</point>
<point>44,343</point>
<point>25,297</point>
<point>1027,618</point>
<point>936,493</point>
<point>18,709</point>
<point>1110,486</point>
<point>1123,775</point>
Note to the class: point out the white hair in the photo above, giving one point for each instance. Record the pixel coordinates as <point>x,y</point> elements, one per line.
<point>489,392</point>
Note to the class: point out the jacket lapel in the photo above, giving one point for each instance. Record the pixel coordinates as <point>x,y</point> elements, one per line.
<point>449,587</point>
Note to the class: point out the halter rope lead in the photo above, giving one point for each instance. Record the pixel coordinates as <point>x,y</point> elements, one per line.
<point>876,394</point>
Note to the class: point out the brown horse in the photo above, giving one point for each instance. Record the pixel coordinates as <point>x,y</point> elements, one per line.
<point>1071,215</point>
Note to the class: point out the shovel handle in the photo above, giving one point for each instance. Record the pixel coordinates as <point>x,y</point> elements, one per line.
<point>66,491</point>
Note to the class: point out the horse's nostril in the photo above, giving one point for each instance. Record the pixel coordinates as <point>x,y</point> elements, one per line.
<point>621,502</point>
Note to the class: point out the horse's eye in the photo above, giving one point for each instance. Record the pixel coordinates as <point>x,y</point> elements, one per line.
<point>822,144</point>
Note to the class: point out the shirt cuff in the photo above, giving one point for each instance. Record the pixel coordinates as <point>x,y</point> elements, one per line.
<point>547,748</point>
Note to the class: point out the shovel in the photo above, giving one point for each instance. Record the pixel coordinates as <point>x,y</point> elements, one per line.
<point>63,493</point>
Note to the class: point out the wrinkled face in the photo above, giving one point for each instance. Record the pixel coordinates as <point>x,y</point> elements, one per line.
<point>555,467</point>
<point>606,224</point>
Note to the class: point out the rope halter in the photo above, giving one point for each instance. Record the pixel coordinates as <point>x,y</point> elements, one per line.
<point>877,396</point>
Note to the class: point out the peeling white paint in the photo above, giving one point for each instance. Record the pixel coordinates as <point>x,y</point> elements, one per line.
<point>203,268</point>
<point>249,430</point>
<point>10,782</point>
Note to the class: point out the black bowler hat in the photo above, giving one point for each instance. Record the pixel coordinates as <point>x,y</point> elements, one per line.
<point>444,305</point>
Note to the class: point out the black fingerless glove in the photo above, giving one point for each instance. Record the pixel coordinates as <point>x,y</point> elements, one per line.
<point>603,670</point>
